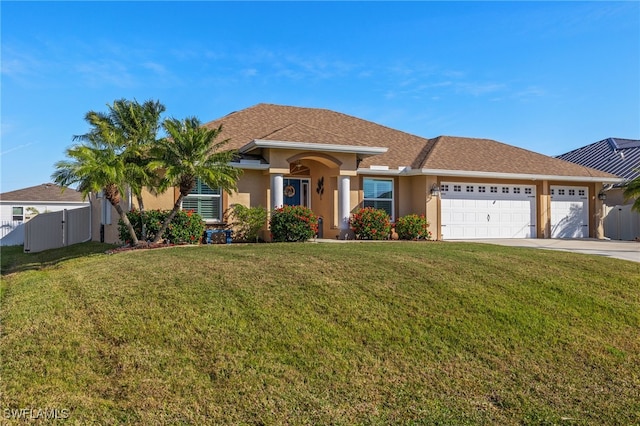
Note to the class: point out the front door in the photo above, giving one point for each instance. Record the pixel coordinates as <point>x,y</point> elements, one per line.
<point>296,192</point>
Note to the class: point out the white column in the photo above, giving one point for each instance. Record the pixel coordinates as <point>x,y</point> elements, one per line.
<point>277,187</point>
<point>344,201</point>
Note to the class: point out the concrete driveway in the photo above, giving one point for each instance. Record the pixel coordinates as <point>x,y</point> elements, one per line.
<point>625,250</point>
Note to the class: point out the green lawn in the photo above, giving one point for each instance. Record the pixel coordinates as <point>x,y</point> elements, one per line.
<point>379,333</point>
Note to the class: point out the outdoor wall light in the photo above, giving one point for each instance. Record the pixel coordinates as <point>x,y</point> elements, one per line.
<point>602,196</point>
<point>435,190</point>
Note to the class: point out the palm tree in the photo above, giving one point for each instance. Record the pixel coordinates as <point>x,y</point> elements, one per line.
<point>190,152</point>
<point>632,190</point>
<point>137,126</point>
<point>95,165</point>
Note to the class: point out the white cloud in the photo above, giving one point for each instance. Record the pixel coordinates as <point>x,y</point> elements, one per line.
<point>15,148</point>
<point>156,68</point>
<point>106,73</point>
<point>479,89</point>
<point>249,72</point>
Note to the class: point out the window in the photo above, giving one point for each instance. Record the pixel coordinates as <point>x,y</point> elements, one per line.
<point>581,192</point>
<point>205,201</point>
<point>560,191</point>
<point>18,213</point>
<point>572,192</point>
<point>457,188</point>
<point>516,190</point>
<point>494,189</point>
<point>527,191</point>
<point>444,188</point>
<point>378,193</point>
<point>505,189</point>
<point>469,188</point>
<point>482,189</point>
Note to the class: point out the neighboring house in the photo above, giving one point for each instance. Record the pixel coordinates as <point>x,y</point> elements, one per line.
<point>620,157</point>
<point>19,206</point>
<point>23,204</point>
<point>335,163</point>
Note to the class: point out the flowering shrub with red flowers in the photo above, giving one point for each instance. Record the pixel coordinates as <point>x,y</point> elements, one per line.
<point>413,227</point>
<point>186,226</point>
<point>293,223</point>
<point>370,224</point>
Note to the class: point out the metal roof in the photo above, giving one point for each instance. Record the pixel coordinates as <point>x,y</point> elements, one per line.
<point>612,155</point>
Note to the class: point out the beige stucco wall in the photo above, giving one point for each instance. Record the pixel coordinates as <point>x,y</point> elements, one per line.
<point>158,202</point>
<point>615,197</point>
<point>325,205</point>
<point>110,230</point>
<point>252,190</point>
<point>412,195</point>
<point>432,211</point>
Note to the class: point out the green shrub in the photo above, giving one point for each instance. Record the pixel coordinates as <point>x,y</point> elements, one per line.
<point>293,223</point>
<point>246,221</point>
<point>186,226</point>
<point>370,224</point>
<point>413,227</point>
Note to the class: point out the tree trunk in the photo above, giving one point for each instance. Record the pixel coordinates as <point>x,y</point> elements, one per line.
<point>143,225</point>
<point>125,220</point>
<point>168,220</point>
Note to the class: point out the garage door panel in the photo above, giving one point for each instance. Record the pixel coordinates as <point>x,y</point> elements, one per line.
<point>569,212</point>
<point>469,214</point>
<point>469,217</point>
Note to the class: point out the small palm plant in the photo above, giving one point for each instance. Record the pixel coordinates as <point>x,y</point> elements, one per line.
<point>190,152</point>
<point>632,190</point>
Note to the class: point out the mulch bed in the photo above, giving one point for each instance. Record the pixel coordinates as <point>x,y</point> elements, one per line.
<point>143,246</point>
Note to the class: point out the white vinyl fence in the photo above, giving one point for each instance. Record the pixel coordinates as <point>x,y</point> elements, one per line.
<point>621,223</point>
<point>11,233</point>
<point>57,229</point>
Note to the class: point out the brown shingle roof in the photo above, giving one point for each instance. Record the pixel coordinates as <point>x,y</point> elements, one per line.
<point>47,192</point>
<point>296,124</point>
<point>484,155</point>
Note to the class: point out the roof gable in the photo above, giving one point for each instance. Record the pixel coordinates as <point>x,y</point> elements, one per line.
<point>613,155</point>
<point>296,124</point>
<point>298,132</point>
<point>47,192</point>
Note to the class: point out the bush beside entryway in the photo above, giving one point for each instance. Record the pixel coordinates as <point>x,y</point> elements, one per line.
<point>293,223</point>
<point>370,224</point>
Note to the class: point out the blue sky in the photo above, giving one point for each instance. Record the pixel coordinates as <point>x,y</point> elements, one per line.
<point>544,76</point>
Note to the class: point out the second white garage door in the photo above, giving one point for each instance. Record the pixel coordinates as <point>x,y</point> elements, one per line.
<point>473,210</point>
<point>569,212</point>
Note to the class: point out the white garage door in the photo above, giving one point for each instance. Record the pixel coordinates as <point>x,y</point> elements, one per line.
<point>473,210</point>
<point>569,211</point>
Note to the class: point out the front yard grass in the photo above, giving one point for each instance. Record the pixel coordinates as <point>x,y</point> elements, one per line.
<point>426,333</point>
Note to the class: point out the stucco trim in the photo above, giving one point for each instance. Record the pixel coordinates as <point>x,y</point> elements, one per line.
<point>250,166</point>
<point>363,151</point>
<point>487,175</point>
